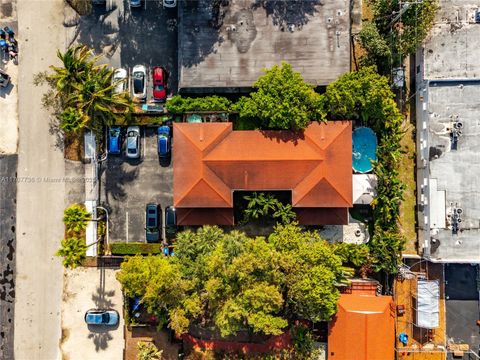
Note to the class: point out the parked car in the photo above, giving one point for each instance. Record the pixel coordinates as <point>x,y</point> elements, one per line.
<point>159,77</point>
<point>133,142</point>
<point>114,140</point>
<point>164,141</point>
<point>120,78</point>
<point>101,317</point>
<point>153,223</point>
<point>4,78</point>
<point>135,3</point>
<point>139,79</point>
<point>169,3</point>
<point>170,222</point>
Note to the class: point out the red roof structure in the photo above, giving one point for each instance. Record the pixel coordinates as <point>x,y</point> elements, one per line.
<point>363,328</point>
<point>211,160</point>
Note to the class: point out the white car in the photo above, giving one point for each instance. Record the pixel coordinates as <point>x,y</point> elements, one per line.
<point>119,78</point>
<point>133,142</point>
<point>139,82</point>
<point>169,3</point>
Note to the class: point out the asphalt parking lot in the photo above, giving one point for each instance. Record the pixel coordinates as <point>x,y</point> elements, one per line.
<point>128,185</point>
<point>132,36</point>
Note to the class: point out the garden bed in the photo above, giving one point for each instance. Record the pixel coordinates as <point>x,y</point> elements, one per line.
<point>135,249</point>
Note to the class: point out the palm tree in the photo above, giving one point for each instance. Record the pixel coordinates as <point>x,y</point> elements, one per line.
<point>77,61</point>
<point>76,218</point>
<point>74,252</point>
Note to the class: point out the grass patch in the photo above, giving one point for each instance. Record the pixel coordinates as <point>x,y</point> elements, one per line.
<point>74,148</point>
<point>135,248</point>
<point>407,177</point>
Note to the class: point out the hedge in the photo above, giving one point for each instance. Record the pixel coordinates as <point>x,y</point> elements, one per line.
<point>135,248</point>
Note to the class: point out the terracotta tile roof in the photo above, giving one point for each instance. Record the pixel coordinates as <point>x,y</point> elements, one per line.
<point>363,328</point>
<point>211,160</point>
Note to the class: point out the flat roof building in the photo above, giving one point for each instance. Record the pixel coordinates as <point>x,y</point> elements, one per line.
<point>451,50</point>
<point>230,47</point>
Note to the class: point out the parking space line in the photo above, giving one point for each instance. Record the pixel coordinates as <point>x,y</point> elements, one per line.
<point>126,225</point>
<point>144,143</point>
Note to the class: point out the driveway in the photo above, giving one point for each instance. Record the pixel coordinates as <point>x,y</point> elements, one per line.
<point>127,186</point>
<point>84,289</point>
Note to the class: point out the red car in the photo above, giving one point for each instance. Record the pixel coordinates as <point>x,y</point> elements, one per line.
<point>159,83</point>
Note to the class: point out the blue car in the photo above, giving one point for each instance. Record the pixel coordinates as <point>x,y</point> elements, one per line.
<point>101,317</point>
<point>114,140</point>
<point>163,138</point>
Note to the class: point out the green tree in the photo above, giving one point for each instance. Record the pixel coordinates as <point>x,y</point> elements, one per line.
<point>148,351</point>
<point>313,272</point>
<point>281,100</point>
<point>378,50</point>
<point>73,250</point>
<point>72,120</point>
<point>261,206</point>
<point>76,218</point>
<point>84,91</point>
<point>409,31</point>
<point>156,279</point>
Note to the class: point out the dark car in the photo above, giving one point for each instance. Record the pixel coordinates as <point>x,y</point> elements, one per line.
<point>159,76</point>
<point>164,141</point>
<point>153,224</point>
<point>101,317</point>
<point>114,140</point>
<point>170,222</point>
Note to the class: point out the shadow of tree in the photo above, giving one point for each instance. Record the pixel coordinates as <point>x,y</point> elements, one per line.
<point>100,337</point>
<point>116,178</point>
<point>291,12</point>
<point>96,31</point>
<point>198,36</point>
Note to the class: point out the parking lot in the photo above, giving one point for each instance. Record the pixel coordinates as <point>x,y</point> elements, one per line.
<point>128,185</point>
<point>131,36</point>
<point>85,289</point>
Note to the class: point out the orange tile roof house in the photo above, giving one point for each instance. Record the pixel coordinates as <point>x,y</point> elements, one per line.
<point>363,328</point>
<point>211,161</point>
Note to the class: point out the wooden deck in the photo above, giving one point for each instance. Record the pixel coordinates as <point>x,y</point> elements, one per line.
<point>422,344</point>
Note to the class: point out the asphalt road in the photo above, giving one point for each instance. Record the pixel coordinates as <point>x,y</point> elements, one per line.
<point>40,198</point>
<point>8,188</point>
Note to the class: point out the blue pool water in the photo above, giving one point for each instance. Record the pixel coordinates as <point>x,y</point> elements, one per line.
<point>364,143</point>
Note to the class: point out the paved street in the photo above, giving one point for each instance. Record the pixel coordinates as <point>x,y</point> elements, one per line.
<point>39,203</point>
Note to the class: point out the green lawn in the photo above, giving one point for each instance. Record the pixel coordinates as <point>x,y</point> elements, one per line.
<point>407,177</point>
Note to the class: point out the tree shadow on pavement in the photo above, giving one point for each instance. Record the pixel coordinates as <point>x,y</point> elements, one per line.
<point>96,31</point>
<point>292,12</point>
<point>116,178</point>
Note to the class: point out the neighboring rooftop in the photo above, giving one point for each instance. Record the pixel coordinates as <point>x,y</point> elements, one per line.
<point>312,35</point>
<point>363,328</point>
<point>451,50</point>
<point>453,203</point>
<point>214,160</point>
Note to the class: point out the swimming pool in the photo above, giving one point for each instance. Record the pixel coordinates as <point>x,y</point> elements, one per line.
<point>364,143</point>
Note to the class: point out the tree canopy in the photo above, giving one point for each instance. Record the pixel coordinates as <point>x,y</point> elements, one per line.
<point>365,95</point>
<point>234,282</point>
<point>179,104</point>
<point>281,100</point>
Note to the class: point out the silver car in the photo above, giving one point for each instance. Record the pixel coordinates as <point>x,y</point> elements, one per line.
<point>133,142</point>
<point>169,3</point>
<point>139,82</point>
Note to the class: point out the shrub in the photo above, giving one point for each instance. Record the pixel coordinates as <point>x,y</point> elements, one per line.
<point>135,248</point>
<point>179,105</point>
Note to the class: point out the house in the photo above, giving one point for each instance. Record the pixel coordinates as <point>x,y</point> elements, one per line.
<point>364,326</point>
<point>212,161</point>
